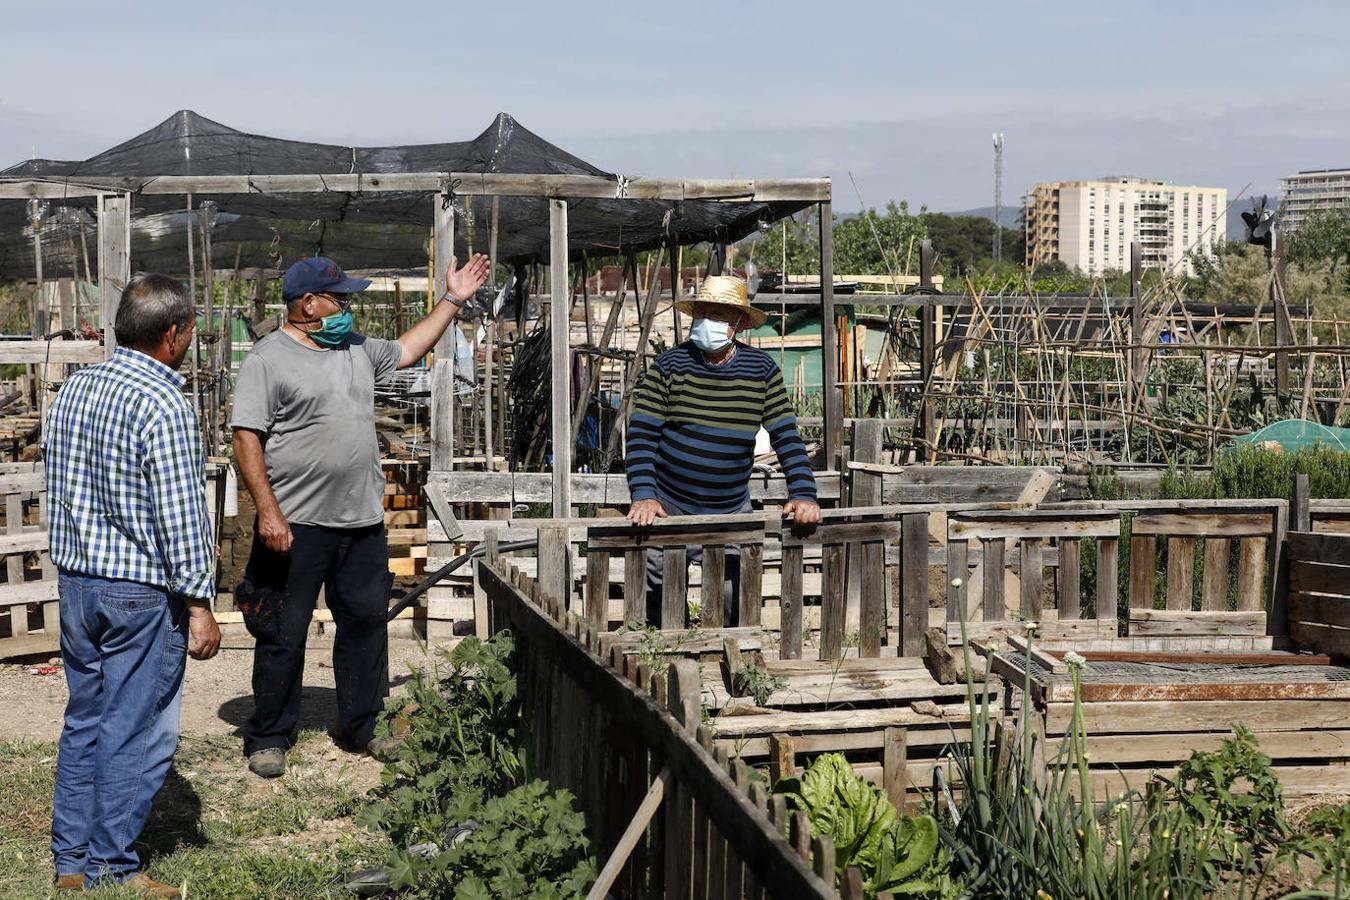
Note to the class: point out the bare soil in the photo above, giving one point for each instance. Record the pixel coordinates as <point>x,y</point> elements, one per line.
<point>217,697</point>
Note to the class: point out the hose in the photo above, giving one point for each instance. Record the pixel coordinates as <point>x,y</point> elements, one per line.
<point>426,583</point>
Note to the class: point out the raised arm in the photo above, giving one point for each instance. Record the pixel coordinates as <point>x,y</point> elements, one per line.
<point>460,285</point>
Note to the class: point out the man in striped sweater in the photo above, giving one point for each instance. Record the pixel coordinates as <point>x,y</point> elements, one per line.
<point>691,440</point>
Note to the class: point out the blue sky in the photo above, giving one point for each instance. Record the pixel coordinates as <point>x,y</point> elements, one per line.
<point>902,95</point>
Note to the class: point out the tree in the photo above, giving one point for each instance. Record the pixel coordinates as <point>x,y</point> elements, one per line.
<point>964,244</point>
<point>1324,237</point>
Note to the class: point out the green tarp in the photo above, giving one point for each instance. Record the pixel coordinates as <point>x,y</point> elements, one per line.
<point>1295,434</point>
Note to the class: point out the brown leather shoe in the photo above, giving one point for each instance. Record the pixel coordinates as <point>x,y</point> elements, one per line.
<point>151,888</point>
<point>70,882</point>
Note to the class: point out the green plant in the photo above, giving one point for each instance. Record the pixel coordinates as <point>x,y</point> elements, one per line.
<point>461,763</point>
<point>530,842</point>
<point>890,850</point>
<point>1028,828</point>
<point>757,682</point>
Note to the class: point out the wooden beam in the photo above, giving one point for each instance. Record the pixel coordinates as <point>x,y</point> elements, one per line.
<point>55,352</point>
<point>829,358</point>
<point>114,261</point>
<point>559,316</point>
<point>730,190</point>
<point>443,248</point>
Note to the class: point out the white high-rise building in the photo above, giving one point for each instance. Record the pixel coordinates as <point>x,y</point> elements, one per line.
<point>1308,192</point>
<point>1089,225</point>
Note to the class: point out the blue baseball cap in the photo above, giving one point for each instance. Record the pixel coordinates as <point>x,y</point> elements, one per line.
<point>318,275</point>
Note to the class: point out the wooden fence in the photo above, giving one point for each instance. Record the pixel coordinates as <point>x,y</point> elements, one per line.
<point>671,814</point>
<point>29,618</point>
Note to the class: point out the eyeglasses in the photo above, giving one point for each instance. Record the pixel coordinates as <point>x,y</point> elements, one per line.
<point>341,300</point>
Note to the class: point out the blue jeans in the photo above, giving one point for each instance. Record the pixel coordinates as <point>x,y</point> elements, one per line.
<point>124,646</point>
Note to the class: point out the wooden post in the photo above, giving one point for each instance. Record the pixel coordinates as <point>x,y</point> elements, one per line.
<point>927,351</point>
<point>1135,381</point>
<point>865,447</point>
<point>829,356</point>
<point>114,260</point>
<point>1300,514</point>
<point>443,248</point>
<point>442,415</point>
<point>913,583</point>
<point>1283,327</point>
<point>559,318</point>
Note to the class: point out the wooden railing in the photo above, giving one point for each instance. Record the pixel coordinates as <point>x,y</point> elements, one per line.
<point>1197,570</point>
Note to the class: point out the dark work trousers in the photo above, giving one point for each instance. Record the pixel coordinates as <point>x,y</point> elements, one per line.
<point>278,596</point>
<point>656,561</point>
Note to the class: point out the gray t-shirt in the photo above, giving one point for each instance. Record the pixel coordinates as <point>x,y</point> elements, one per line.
<point>316,409</point>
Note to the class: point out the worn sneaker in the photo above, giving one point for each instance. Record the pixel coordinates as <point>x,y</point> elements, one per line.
<point>146,885</point>
<point>70,882</point>
<point>384,749</point>
<point>269,763</point>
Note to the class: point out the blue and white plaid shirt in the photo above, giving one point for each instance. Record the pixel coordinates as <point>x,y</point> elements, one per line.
<point>126,479</point>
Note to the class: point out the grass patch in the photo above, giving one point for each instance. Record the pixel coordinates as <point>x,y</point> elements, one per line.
<point>214,825</point>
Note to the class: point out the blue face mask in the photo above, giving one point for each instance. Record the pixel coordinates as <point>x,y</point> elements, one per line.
<point>709,335</point>
<point>333,330</point>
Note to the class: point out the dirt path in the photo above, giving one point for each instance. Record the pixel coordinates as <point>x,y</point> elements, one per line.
<point>217,698</point>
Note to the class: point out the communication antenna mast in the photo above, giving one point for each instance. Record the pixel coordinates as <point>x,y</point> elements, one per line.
<point>998,196</point>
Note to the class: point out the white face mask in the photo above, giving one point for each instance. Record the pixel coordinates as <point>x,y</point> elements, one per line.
<point>710,335</point>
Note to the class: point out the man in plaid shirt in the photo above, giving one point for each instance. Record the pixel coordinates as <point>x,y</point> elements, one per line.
<point>131,538</point>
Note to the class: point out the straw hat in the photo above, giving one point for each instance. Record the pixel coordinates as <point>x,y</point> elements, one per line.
<point>727,290</point>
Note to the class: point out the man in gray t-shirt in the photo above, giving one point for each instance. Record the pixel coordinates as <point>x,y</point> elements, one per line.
<point>304,439</point>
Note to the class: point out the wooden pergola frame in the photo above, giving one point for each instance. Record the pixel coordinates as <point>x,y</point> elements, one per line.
<point>114,253</point>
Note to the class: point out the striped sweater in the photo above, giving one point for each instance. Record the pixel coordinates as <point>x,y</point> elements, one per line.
<point>691,440</point>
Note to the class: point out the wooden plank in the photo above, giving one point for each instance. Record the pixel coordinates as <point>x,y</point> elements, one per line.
<point>865,490</point>
<point>1202,524</point>
<point>114,262</point>
<point>731,190</point>
<point>1071,629</point>
<point>635,587</point>
<point>832,604</point>
<point>560,358</point>
<point>1311,577</point>
<point>994,606</point>
<point>41,352</point>
<point>606,490</point>
<point>752,583</point>
<point>597,588</point>
<point>1170,747</point>
<point>1316,609</point>
<point>957,567</point>
<point>1020,646</point>
<point>1180,572</point>
<point>1322,638</point>
<point>1142,717</point>
<point>894,763</point>
<point>1160,691</point>
<point>25,592</point>
<point>913,583</point>
<point>796,722</point>
<point>1108,573</point>
<point>1082,525</point>
<point>844,532</point>
<point>622,537</point>
<point>1143,559</point>
<point>24,542</point>
<point>1067,589</point>
<point>1030,578</point>
<point>1333,549</point>
<point>1209,657</point>
<point>674,591</point>
<point>1214,583</point>
<point>443,416</point>
<point>713,599</point>
<point>871,559</point>
<point>1153,622</point>
<point>1251,573</point>
<point>554,564</point>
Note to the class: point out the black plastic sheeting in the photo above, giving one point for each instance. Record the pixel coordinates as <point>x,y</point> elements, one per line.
<point>360,231</point>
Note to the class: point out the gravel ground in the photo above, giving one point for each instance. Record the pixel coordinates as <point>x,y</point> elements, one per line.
<point>217,698</point>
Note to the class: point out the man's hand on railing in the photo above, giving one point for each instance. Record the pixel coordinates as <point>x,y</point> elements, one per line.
<point>644,512</point>
<point>802,512</point>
